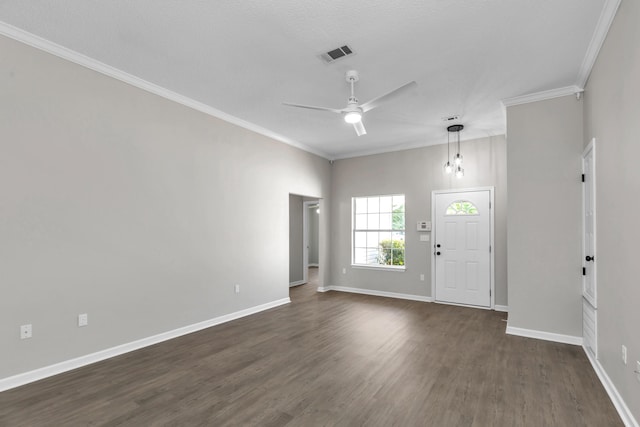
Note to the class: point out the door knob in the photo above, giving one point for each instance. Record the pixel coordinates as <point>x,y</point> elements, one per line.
<point>438,253</point>
<point>438,245</point>
<point>590,258</point>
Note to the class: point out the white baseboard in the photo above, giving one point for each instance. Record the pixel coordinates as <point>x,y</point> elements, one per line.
<point>378,293</point>
<point>612,391</point>
<point>541,335</point>
<point>296,283</point>
<point>392,295</point>
<point>67,365</point>
<point>455,304</point>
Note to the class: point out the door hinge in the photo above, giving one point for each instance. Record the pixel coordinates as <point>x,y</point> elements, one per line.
<point>584,271</point>
<point>489,248</point>
<point>582,177</point>
<point>489,205</point>
<point>489,292</point>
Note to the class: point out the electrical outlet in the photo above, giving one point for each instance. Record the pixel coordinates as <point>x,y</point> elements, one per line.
<point>624,354</point>
<point>422,277</point>
<point>83,319</point>
<point>26,331</point>
<point>237,289</point>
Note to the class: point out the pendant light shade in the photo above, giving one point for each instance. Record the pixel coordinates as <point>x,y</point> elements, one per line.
<point>448,167</point>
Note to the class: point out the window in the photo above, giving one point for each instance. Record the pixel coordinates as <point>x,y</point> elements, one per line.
<point>461,207</point>
<point>378,231</point>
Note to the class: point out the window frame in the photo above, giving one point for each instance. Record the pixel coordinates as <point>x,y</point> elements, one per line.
<point>395,268</point>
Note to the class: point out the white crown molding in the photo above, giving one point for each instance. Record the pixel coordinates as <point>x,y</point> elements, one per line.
<point>542,335</point>
<point>377,293</point>
<point>406,146</point>
<point>542,96</point>
<point>612,391</point>
<point>68,365</point>
<point>102,68</point>
<point>383,150</point>
<point>599,35</point>
<point>597,40</point>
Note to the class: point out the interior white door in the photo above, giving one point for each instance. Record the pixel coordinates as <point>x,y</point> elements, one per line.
<point>462,239</point>
<point>589,289</point>
<point>589,283</point>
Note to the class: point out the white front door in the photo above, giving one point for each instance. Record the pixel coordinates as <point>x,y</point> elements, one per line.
<point>462,251</point>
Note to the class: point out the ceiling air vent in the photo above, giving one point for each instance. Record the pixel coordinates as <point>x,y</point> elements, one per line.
<point>335,54</point>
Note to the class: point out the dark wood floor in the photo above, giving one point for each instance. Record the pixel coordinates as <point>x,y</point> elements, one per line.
<point>330,359</point>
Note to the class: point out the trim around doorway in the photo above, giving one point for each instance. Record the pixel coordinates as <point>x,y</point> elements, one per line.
<point>305,240</point>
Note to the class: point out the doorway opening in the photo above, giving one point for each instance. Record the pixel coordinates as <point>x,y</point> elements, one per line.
<point>305,231</point>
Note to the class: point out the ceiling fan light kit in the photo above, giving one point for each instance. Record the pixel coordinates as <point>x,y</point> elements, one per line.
<point>457,158</point>
<point>352,117</point>
<point>353,112</point>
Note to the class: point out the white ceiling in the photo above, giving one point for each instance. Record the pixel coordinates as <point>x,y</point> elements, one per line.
<point>247,57</point>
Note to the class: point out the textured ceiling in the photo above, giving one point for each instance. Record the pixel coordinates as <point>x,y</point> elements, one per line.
<point>247,57</point>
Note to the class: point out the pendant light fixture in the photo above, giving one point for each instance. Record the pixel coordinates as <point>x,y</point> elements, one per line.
<point>457,158</point>
<point>448,167</point>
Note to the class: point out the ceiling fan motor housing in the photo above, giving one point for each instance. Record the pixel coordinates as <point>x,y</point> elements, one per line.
<point>352,76</point>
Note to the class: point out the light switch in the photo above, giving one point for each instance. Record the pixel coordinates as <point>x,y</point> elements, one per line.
<point>424,237</point>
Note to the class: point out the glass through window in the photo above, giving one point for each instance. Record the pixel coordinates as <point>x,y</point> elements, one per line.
<point>378,231</point>
<point>461,207</point>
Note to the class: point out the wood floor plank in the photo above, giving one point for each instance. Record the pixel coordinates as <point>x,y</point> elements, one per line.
<point>330,359</point>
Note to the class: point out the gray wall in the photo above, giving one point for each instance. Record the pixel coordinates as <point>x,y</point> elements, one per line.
<point>296,273</point>
<point>131,208</point>
<point>314,218</point>
<point>544,223</point>
<point>415,173</point>
<point>612,112</point>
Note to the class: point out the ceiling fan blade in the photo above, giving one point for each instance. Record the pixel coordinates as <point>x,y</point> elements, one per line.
<point>375,102</point>
<point>359,127</point>
<point>311,107</point>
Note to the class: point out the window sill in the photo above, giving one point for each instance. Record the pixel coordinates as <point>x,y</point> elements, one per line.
<point>375,267</point>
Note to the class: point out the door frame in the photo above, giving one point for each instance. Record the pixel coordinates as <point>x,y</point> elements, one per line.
<point>590,147</point>
<point>305,237</point>
<point>492,283</point>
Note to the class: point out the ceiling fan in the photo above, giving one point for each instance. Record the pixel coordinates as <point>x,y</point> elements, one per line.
<point>353,111</point>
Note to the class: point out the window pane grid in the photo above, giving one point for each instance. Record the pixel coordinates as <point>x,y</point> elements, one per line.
<point>379,230</point>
